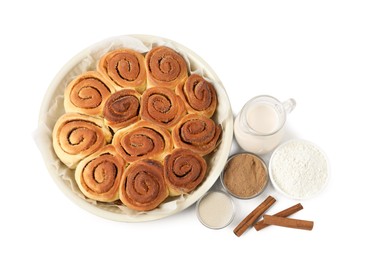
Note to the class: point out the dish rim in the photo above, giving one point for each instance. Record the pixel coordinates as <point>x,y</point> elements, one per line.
<point>227,135</point>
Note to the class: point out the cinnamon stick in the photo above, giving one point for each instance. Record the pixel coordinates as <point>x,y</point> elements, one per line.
<point>284,213</point>
<point>288,222</point>
<point>254,215</point>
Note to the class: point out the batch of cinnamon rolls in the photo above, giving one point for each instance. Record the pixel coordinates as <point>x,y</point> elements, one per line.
<point>137,129</point>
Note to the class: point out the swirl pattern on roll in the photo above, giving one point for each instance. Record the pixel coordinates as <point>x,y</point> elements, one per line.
<point>162,106</point>
<point>87,93</point>
<point>143,187</point>
<point>184,170</point>
<point>198,95</point>
<point>99,175</point>
<point>143,140</point>
<point>165,68</point>
<point>198,133</point>
<point>75,136</point>
<point>122,109</point>
<point>125,67</point>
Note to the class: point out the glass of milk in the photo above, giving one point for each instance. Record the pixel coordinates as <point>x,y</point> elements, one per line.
<point>259,126</point>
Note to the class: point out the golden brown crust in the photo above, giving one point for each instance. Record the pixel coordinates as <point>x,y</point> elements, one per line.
<point>199,96</point>
<point>197,133</point>
<point>162,106</point>
<point>143,187</point>
<point>122,109</point>
<point>184,170</point>
<point>143,140</point>
<point>139,104</point>
<point>125,67</point>
<point>75,136</point>
<point>165,68</point>
<point>99,175</point>
<point>87,94</point>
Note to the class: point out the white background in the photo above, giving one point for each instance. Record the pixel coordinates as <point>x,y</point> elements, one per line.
<point>312,51</point>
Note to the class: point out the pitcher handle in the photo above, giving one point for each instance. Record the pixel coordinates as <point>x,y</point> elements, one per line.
<point>289,105</point>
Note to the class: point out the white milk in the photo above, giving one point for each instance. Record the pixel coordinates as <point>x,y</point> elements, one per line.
<point>259,127</point>
<point>262,118</point>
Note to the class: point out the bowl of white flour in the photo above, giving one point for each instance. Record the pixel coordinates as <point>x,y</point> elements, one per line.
<point>299,169</point>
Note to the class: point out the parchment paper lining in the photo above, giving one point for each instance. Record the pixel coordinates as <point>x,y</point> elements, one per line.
<point>54,108</point>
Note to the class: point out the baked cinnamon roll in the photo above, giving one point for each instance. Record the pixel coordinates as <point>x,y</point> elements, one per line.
<point>143,140</point>
<point>162,106</point>
<point>184,170</point>
<point>197,133</point>
<point>87,94</point>
<point>75,136</point>
<point>143,187</point>
<point>165,68</point>
<point>125,67</point>
<point>99,175</point>
<point>122,109</point>
<point>199,96</point>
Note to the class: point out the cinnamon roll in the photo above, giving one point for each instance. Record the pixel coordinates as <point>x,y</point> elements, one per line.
<point>143,140</point>
<point>162,106</point>
<point>99,175</point>
<point>199,96</point>
<point>184,170</point>
<point>122,109</point>
<point>87,94</point>
<point>75,136</point>
<point>125,67</point>
<point>165,68</point>
<point>143,187</point>
<point>197,133</point>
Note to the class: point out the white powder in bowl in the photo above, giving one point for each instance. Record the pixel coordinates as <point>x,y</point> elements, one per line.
<point>215,210</point>
<point>298,169</point>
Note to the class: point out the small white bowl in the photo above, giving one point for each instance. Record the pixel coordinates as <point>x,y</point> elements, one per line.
<point>215,209</point>
<point>292,176</point>
<point>254,195</point>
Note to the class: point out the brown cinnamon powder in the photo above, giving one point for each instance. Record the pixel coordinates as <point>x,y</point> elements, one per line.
<point>245,175</point>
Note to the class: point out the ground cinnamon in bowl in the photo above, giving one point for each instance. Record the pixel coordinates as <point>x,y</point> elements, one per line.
<point>245,175</point>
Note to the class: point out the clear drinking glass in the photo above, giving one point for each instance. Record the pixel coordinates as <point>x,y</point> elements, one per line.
<point>259,127</point>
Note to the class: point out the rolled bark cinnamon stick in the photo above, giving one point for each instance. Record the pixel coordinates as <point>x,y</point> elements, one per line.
<point>288,222</point>
<point>254,215</point>
<point>284,213</point>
